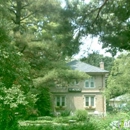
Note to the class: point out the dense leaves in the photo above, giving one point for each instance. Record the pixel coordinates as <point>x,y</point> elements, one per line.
<point>118,81</point>
<point>109,20</point>
<point>44,104</point>
<point>15,81</point>
<point>35,38</point>
<point>13,69</point>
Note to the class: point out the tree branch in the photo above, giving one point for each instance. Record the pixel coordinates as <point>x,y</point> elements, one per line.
<point>27,16</point>
<point>99,10</point>
<point>26,5</point>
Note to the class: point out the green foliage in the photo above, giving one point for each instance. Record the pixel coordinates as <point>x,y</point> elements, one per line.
<point>3,34</point>
<point>42,31</point>
<point>105,122</point>
<point>13,69</point>
<point>42,21</point>
<point>36,127</point>
<point>61,123</point>
<point>13,103</point>
<point>43,104</point>
<point>110,109</point>
<point>94,123</point>
<point>12,97</point>
<point>118,81</point>
<point>35,40</point>
<point>15,84</point>
<point>102,19</point>
<point>81,115</point>
<point>115,28</point>
<point>65,113</point>
<point>61,119</point>
<point>60,76</point>
<point>78,126</point>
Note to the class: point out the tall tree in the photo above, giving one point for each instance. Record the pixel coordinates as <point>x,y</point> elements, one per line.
<point>118,81</point>
<point>15,82</point>
<point>42,21</point>
<point>42,32</point>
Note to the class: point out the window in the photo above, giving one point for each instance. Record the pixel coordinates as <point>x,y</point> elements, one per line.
<point>60,101</point>
<point>90,101</point>
<point>89,83</point>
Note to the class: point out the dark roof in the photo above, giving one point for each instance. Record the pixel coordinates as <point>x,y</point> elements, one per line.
<point>84,67</point>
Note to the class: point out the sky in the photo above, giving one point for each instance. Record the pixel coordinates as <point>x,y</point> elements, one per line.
<point>89,45</point>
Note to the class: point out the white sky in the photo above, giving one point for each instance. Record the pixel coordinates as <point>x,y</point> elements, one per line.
<point>89,45</point>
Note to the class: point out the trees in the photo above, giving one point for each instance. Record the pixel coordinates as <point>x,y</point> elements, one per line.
<point>42,31</point>
<point>40,37</point>
<point>113,24</point>
<point>43,34</point>
<point>95,58</point>
<point>15,83</point>
<point>42,21</point>
<point>118,81</point>
<point>109,20</point>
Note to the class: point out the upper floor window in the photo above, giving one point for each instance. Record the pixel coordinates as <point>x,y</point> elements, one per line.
<point>89,83</point>
<point>90,101</point>
<point>60,101</point>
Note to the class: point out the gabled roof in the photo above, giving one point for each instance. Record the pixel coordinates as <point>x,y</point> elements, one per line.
<point>84,67</point>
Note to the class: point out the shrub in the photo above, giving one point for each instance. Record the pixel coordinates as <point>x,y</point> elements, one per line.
<point>81,115</point>
<point>65,113</point>
<point>105,123</point>
<point>61,120</point>
<point>43,103</point>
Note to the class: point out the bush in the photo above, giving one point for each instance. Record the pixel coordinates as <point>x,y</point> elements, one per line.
<point>61,120</point>
<point>65,113</point>
<point>43,104</point>
<point>81,115</point>
<point>104,122</point>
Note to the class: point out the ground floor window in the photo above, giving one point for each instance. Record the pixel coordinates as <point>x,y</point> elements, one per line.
<point>90,101</point>
<point>60,101</point>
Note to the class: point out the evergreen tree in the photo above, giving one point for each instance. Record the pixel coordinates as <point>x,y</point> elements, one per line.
<point>41,32</point>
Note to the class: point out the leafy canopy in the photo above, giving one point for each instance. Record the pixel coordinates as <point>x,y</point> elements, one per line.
<point>109,20</point>
<point>118,82</point>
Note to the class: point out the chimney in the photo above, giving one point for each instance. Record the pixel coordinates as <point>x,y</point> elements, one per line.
<point>102,65</point>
